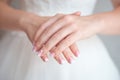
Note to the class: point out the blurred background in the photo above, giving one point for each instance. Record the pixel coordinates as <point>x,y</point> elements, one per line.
<point>112,43</point>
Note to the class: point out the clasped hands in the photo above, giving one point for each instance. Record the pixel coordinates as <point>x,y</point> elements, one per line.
<point>58,35</point>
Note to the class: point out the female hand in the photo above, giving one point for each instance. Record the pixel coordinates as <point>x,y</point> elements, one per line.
<point>32,23</point>
<point>66,30</point>
<point>68,52</point>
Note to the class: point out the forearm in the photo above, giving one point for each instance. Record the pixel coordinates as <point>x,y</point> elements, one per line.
<point>108,23</point>
<point>9,17</point>
<point>12,19</point>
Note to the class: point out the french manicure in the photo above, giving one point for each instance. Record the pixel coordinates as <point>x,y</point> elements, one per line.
<point>77,54</point>
<point>40,53</point>
<point>61,61</point>
<point>46,59</point>
<point>34,49</point>
<point>70,60</point>
<point>52,54</point>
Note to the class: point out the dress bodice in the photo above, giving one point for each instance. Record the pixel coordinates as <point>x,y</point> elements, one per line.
<point>51,7</point>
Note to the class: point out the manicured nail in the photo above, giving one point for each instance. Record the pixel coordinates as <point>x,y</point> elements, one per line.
<point>61,61</point>
<point>52,54</point>
<point>40,53</point>
<point>34,49</point>
<point>70,60</point>
<point>46,59</point>
<point>77,54</point>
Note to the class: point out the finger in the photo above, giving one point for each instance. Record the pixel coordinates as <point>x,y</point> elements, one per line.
<point>74,49</point>
<point>45,25</point>
<point>59,59</point>
<point>68,55</point>
<point>54,40</point>
<point>48,33</point>
<point>44,37</point>
<point>44,57</point>
<point>66,42</point>
<point>49,22</point>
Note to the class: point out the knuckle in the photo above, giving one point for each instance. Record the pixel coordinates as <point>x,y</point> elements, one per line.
<point>72,24</point>
<point>57,50</point>
<point>38,44</point>
<point>47,47</point>
<point>52,50</point>
<point>44,48</point>
<point>67,18</point>
<point>61,47</point>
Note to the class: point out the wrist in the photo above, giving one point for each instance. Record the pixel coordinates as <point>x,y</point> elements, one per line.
<point>25,21</point>
<point>30,23</point>
<point>29,20</point>
<point>106,22</point>
<point>98,23</point>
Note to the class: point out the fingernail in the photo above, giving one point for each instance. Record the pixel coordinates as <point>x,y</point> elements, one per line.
<point>34,49</point>
<point>40,53</point>
<point>77,54</point>
<point>61,61</point>
<point>70,60</point>
<point>46,59</point>
<point>52,54</point>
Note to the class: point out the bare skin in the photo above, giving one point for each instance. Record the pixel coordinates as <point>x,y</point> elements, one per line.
<point>18,20</point>
<point>73,28</point>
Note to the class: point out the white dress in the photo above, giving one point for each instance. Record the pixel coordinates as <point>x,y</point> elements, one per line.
<point>18,62</point>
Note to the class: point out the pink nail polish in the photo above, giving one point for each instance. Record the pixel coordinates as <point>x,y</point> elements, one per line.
<point>61,61</point>
<point>77,54</point>
<point>52,54</point>
<point>40,53</point>
<point>46,59</point>
<point>34,49</point>
<point>70,60</point>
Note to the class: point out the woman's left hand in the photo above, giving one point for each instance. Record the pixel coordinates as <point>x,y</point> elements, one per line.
<point>69,29</point>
